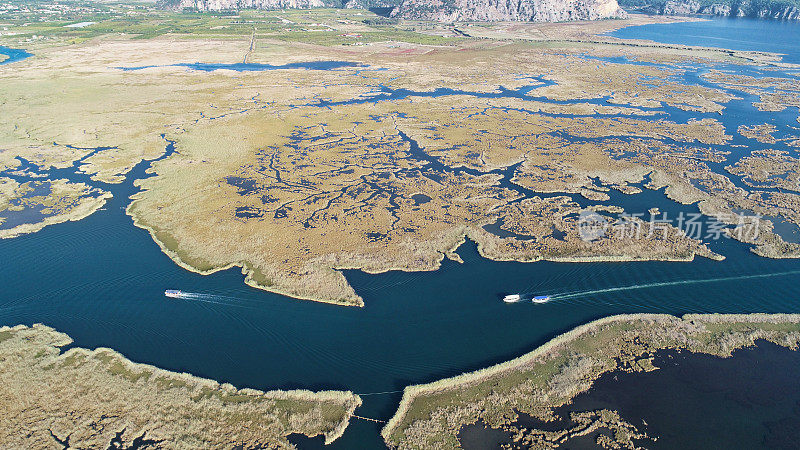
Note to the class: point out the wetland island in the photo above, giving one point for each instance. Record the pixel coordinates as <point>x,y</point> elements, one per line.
<point>325,204</point>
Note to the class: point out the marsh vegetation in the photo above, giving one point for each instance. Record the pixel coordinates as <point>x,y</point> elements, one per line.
<point>94,398</point>
<point>431,415</point>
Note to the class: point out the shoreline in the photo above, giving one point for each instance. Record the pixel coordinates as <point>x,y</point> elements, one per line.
<point>450,253</point>
<point>246,270</point>
<point>158,394</point>
<point>728,325</point>
<point>413,391</point>
<point>81,212</point>
<point>601,37</point>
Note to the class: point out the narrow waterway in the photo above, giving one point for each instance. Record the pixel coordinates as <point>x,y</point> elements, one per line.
<point>101,280</point>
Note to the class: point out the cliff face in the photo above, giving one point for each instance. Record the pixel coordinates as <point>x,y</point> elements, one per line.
<point>223,5</point>
<point>367,4</point>
<point>508,10</point>
<point>442,10</point>
<point>518,10</point>
<point>760,9</point>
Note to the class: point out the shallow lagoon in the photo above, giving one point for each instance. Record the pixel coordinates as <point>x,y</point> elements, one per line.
<point>702,401</point>
<point>735,33</point>
<point>14,55</point>
<point>101,280</point>
<point>692,401</point>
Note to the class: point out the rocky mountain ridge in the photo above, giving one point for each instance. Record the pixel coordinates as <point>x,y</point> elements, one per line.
<point>438,10</point>
<point>508,10</point>
<point>762,9</point>
<point>518,10</point>
<point>227,5</point>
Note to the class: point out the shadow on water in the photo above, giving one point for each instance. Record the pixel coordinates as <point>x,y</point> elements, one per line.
<point>382,11</point>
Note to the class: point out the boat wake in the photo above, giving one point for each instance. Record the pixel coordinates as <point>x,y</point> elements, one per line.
<point>516,298</point>
<point>580,294</point>
<point>208,298</point>
<point>195,296</point>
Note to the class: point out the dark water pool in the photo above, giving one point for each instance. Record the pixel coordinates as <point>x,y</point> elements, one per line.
<point>694,400</point>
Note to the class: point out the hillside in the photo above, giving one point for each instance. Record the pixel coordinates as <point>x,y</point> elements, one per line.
<point>764,9</point>
<point>437,10</point>
<point>494,10</point>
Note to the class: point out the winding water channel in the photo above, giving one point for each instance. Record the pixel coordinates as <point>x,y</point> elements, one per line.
<point>101,280</point>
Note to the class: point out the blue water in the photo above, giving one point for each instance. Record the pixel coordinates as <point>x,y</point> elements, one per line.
<point>255,67</point>
<point>14,55</point>
<point>693,401</point>
<point>736,33</point>
<point>101,280</point>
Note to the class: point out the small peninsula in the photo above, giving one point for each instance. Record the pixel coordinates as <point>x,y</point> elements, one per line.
<point>30,206</point>
<point>431,415</point>
<point>377,158</point>
<point>82,398</point>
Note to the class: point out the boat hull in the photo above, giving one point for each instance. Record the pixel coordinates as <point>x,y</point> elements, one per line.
<point>172,293</point>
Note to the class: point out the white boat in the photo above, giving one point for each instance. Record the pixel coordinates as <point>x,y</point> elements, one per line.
<point>173,293</point>
<point>512,298</point>
<point>541,299</point>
